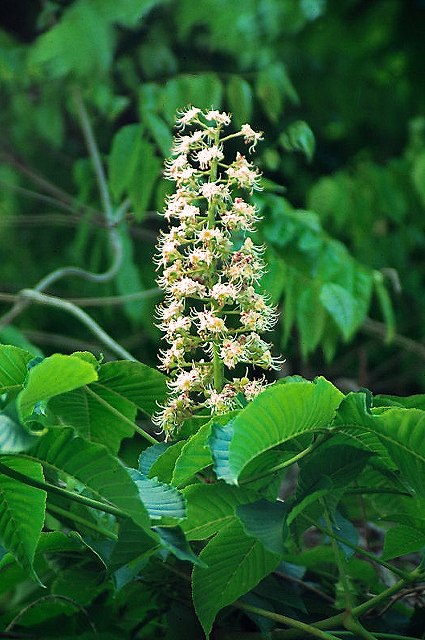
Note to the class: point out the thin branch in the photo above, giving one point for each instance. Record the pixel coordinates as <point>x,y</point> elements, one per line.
<point>96,329</point>
<point>378,329</point>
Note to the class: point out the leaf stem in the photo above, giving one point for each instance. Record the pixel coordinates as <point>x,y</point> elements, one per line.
<point>76,497</point>
<point>281,619</point>
<point>74,517</point>
<point>96,329</point>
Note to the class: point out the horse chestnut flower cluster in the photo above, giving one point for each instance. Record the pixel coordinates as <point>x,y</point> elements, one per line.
<point>213,315</point>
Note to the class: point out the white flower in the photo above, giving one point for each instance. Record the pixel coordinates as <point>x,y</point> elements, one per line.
<point>187,116</point>
<point>251,136</point>
<point>223,293</point>
<point>208,155</point>
<point>208,322</point>
<point>187,287</point>
<point>220,118</point>
<point>232,352</point>
<point>211,189</point>
<point>243,173</point>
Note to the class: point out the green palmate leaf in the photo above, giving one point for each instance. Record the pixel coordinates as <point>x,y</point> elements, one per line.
<point>210,507</point>
<point>351,416</point>
<point>279,414</point>
<point>54,375</point>
<point>13,436</point>
<point>136,382</point>
<point>401,540</point>
<point>159,131</point>
<point>265,521</point>
<point>13,368</point>
<point>402,433</point>
<point>311,318</point>
<point>161,500</point>
<point>235,564</point>
<point>97,414</point>
<point>61,451</point>
<point>21,511</point>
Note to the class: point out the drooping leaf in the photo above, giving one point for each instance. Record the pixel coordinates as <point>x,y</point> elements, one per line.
<point>22,510</point>
<point>265,521</point>
<point>174,541</point>
<point>299,137</point>
<point>13,368</point>
<point>210,507</point>
<point>240,97</point>
<point>341,305</point>
<point>235,564</point>
<point>13,436</point>
<point>61,451</point>
<point>54,375</point>
<point>163,466</point>
<point>280,413</point>
<point>123,158</point>
<point>161,500</point>
<point>150,455</point>
<point>402,433</point>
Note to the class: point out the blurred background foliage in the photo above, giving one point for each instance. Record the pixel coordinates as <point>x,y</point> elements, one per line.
<point>337,87</point>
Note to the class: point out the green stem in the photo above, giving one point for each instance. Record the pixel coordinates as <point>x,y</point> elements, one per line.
<point>367,554</point>
<point>218,370</point>
<point>94,156</point>
<point>340,561</point>
<point>76,497</point>
<point>74,517</point>
<point>285,463</point>
<point>281,619</point>
<point>58,303</point>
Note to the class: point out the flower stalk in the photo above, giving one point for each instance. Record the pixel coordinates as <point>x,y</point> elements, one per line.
<point>213,314</point>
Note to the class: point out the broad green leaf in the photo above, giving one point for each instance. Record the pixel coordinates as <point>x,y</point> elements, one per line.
<point>351,416</point>
<point>123,158</point>
<point>402,540</point>
<point>280,413</point>
<point>13,436</point>
<point>299,137</point>
<point>22,510</point>
<point>54,375</point>
<point>210,507</point>
<point>265,521</point>
<point>402,433</point>
<point>129,279</point>
<point>161,500</point>
<point>386,306</point>
<point>144,386</point>
<point>61,451</point>
<point>97,414</point>
<point>235,564</point>
<point>13,368</point>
